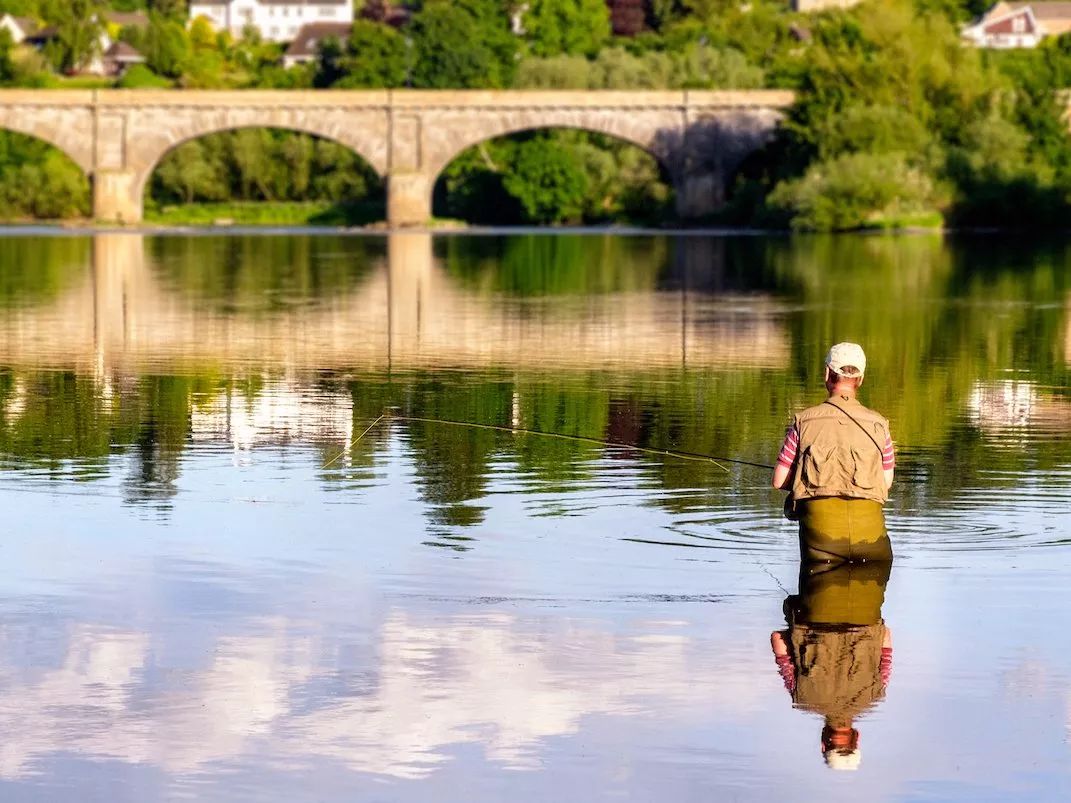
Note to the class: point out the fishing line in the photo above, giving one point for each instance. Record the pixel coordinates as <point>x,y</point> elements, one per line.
<point>351,443</point>
<point>702,458</point>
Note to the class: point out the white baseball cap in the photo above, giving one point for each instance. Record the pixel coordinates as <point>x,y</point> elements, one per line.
<point>844,760</point>
<point>847,355</point>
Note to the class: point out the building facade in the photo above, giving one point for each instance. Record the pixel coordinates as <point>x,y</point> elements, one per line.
<point>814,6</point>
<point>275,20</point>
<point>1008,25</point>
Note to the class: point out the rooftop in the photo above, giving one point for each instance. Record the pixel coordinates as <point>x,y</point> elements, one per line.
<point>308,38</point>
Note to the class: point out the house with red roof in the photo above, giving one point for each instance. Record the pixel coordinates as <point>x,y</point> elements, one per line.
<point>1008,25</point>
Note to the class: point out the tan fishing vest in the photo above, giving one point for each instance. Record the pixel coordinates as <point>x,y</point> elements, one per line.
<point>835,456</point>
<point>838,671</point>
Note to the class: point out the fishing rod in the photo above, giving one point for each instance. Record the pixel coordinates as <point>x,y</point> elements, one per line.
<point>389,414</point>
<point>695,456</point>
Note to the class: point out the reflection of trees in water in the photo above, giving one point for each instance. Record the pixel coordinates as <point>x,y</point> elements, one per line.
<point>541,264</point>
<point>264,273</point>
<point>936,320</point>
<point>35,270</point>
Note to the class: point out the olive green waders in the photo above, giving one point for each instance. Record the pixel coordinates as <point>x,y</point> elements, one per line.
<point>837,529</point>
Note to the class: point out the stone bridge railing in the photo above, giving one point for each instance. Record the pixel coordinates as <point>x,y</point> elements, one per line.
<point>118,137</point>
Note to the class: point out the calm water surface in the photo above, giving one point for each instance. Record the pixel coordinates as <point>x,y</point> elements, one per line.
<point>213,588</point>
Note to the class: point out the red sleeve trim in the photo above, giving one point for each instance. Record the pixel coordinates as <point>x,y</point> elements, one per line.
<point>787,455</point>
<point>888,456</point>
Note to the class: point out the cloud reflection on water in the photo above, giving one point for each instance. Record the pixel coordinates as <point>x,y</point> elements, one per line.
<point>426,684</point>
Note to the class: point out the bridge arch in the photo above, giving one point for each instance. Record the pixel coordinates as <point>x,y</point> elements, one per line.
<point>630,179</point>
<point>644,134</point>
<point>69,134</point>
<point>148,156</point>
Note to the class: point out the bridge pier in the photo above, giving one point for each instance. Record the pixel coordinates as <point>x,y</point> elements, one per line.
<point>116,198</point>
<point>699,195</point>
<point>408,199</point>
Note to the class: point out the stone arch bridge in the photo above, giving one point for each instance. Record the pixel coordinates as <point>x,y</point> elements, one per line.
<point>118,137</point>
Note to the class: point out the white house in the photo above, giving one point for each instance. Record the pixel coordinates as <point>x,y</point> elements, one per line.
<point>276,20</point>
<point>1008,25</point>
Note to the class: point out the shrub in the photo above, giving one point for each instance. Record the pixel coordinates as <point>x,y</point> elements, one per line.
<point>854,191</point>
<point>139,76</point>
<point>548,182</point>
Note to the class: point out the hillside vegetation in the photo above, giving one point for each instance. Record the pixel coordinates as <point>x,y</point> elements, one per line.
<point>897,122</point>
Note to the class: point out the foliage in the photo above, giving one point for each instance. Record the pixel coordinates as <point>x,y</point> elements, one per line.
<point>277,213</point>
<point>465,44</point>
<point>376,56</point>
<point>547,181</point>
<point>890,91</point>
<point>262,165</point>
<point>855,190</point>
<point>166,46</point>
<point>574,27</point>
<point>138,76</point>
<point>886,88</point>
<point>583,177</point>
<point>37,181</point>
<point>78,30</point>
<point>8,66</point>
<point>696,66</point>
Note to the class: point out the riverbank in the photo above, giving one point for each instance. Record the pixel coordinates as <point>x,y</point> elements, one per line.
<point>286,213</point>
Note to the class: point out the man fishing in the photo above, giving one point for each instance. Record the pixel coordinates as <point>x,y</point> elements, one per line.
<point>837,465</point>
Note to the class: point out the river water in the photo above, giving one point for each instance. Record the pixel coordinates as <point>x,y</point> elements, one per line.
<point>218,586</point>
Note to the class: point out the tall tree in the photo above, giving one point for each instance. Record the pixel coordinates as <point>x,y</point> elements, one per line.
<point>376,57</point>
<point>463,43</point>
<point>79,25</point>
<point>167,45</point>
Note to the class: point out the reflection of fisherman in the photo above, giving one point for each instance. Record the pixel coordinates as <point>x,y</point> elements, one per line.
<point>836,655</point>
<point>837,465</point>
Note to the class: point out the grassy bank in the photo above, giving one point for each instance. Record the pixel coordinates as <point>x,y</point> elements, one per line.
<point>284,213</point>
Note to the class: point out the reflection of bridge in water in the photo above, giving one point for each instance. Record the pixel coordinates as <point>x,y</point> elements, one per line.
<point>407,313</point>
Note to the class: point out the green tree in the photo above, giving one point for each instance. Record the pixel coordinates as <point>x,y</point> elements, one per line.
<point>575,27</point>
<point>548,182</point>
<point>465,44</point>
<point>37,180</point>
<point>202,36</point>
<point>188,174</point>
<point>79,25</point>
<point>376,56</point>
<point>8,67</point>
<point>855,191</point>
<point>329,59</point>
<point>166,46</point>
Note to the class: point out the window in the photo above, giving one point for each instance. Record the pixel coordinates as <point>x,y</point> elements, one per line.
<point>1019,24</point>
<point>327,11</point>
